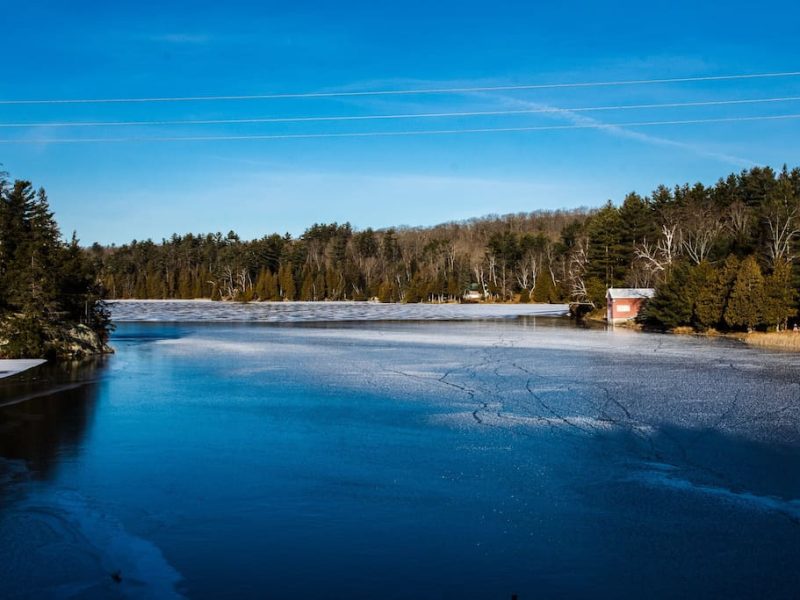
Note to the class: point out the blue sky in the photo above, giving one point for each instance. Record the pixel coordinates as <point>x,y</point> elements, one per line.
<point>114,192</point>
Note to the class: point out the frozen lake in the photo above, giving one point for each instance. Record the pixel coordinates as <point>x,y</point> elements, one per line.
<point>404,455</point>
<point>293,312</point>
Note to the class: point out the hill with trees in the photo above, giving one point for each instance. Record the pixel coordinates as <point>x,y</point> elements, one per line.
<point>50,295</point>
<point>719,256</point>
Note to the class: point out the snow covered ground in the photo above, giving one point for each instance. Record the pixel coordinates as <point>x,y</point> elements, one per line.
<point>9,367</point>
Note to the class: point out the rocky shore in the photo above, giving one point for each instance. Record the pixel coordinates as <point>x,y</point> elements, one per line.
<point>68,341</point>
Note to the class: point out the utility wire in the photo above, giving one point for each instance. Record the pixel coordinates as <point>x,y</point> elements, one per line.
<point>398,116</point>
<point>452,90</point>
<point>393,133</point>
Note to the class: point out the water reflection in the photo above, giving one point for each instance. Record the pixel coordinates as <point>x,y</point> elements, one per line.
<point>46,412</point>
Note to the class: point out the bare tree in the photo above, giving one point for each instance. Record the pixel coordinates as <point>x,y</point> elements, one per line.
<point>529,268</point>
<point>698,232</point>
<point>782,216</point>
<point>576,269</point>
<point>657,258</point>
<point>738,219</point>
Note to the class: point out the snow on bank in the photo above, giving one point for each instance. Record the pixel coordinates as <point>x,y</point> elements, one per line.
<point>9,367</point>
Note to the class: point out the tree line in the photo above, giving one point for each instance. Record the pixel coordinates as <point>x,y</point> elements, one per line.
<point>685,241</point>
<point>48,287</point>
<point>504,256</point>
<point>720,256</point>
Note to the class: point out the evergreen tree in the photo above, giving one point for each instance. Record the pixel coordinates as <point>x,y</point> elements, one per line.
<point>608,257</point>
<point>745,308</point>
<point>48,286</point>
<point>779,296</point>
<point>712,288</point>
<point>307,289</point>
<point>637,225</point>
<point>18,204</point>
<point>286,282</point>
<point>672,304</point>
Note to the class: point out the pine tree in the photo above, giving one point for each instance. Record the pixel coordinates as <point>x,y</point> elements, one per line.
<point>334,283</point>
<point>46,256</point>
<point>779,296</point>
<point>48,286</point>
<point>745,307</point>
<point>274,287</point>
<point>711,290</point>
<point>545,290</point>
<point>261,284</point>
<point>637,224</point>
<point>607,255</point>
<point>17,206</point>
<point>387,292</point>
<point>307,289</point>
<point>672,305</point>
<point>185,285</point>
<point>286,282</point>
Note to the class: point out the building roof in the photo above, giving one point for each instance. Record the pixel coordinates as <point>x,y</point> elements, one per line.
<point>615,293</point>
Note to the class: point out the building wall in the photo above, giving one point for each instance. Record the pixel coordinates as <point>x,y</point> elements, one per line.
<point>623,309</point>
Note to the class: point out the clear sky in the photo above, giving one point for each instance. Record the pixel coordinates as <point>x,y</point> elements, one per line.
<point>114,192</point>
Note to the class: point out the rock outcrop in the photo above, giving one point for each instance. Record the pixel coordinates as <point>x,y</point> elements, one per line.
<point>61,341</point>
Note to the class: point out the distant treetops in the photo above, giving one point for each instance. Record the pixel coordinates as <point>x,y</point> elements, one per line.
<point>723,256</point>
<point>50,295</point>
<point>720,256</point>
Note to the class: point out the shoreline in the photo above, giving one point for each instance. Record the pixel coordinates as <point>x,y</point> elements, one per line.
<point>125,300</point>
<point>14,366</point>
<point>326,302</point>
<point>785,341</point>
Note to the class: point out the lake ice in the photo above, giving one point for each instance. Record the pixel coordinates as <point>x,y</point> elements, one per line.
<point>401,456</point>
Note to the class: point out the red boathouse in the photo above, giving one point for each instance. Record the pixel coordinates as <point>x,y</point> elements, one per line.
<point>623,304</point>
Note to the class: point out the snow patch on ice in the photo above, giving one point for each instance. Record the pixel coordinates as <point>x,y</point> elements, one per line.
<point>190,344</point>
<point>142,568</point>
<point>661,477</point>
<point>10,366</point>
<point>503,419</point>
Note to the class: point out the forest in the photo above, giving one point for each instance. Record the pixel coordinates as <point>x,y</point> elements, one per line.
<point>50,293</point>
<point>720,256</point>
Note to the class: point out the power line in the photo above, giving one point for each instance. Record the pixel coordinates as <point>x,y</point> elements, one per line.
<point>394,133</point>
<point>453,90</point>
<point>398,116</point>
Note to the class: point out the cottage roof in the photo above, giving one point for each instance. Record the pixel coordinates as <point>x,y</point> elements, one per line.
<point>615,293</point>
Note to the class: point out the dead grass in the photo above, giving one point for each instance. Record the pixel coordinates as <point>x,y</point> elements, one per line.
<point>684,331</point>
<point>784,340</point>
